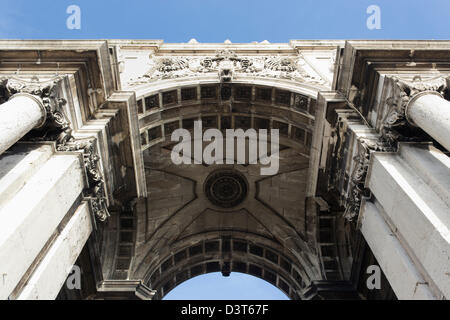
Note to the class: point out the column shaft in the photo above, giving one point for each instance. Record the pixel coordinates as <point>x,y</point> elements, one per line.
<point>18,116</point>
<point>431,112</point>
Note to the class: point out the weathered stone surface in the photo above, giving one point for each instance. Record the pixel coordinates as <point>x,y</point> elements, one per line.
<point>33,214</point>
<point>413,189</point>
<point>48,278</point>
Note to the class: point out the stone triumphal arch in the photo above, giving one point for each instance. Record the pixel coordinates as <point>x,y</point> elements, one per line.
<point>87,176</point>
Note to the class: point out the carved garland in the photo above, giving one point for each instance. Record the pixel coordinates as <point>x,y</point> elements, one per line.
<point>57,128</point>
<point>227,63</point>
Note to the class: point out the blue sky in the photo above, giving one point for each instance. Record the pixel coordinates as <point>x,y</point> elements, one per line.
<point>216,21</point>
<point>238,286</point>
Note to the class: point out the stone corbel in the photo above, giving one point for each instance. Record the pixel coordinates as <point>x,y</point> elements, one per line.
<point>358,189</point>
<point>396,124</point>
<point>95,192</point>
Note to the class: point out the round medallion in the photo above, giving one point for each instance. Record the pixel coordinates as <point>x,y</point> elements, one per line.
<point>226,188</point>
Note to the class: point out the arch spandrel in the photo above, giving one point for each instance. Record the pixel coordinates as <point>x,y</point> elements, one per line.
<point>225,90</point>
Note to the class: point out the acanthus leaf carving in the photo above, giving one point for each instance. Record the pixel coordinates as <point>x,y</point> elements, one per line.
<point>226,64</point>
<point>395,123</point>
<point>47,92</point>
<point>57,128</point>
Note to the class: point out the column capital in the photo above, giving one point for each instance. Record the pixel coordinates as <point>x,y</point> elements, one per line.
<point>405,91</point>
<point>47,94</point>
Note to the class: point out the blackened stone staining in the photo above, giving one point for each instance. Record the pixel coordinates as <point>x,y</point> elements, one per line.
<point>225,123</point>
<point>240,267</point>
<point>243,93</point>
<point>225,92</point>
<point>171,127</point>
<point>195,250</point>
<point>282,127</point>
<point>170,98</point>
<point>152,102</point>
<point>188,124</point>
<point>209,92</point>
<point>283,97</point>
<point>154,133</point>
<point>209,122</point>
<point>211,246</point>
<point>188,94</point>
<point>298,134</point>
<point>264,94</point>
<point>312,107</point>
<point>308,139</point>
<point>143,139</point>
<point>226,188</point>
<point>240,246</point>
<point>140,106</point>
<point>255,270</point>
<point>261,123</point>
<point>256,250</point>
<point>242,122</point>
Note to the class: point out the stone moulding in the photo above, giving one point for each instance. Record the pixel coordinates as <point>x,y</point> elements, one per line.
<point>358,190</point>
<point>95,192</point>
<point>392,131</point>
<point>226,64</point>
<point>57,128</point>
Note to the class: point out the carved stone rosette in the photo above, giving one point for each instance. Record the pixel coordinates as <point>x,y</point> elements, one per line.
<point>396,122</point>
<point>95,191</point>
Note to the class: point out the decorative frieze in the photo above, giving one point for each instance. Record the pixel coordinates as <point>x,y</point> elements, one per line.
<point>227,64</point>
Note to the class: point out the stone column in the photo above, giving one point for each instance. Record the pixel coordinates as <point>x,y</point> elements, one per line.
<point>429,111</point>
<point>21,113</point>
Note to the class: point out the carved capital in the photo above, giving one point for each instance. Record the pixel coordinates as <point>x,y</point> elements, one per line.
<point>395,126</point>
<point>95,192</point>
<point>47,94</point>
<point>57,128</point>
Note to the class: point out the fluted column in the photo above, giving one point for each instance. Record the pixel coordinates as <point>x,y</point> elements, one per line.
<point>20,114</point>
<point>429,111</point>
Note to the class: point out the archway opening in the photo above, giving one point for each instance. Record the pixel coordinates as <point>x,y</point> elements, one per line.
<point>237,286</point>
